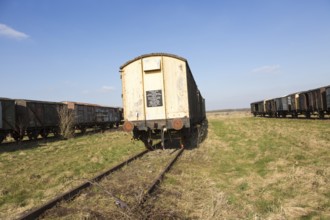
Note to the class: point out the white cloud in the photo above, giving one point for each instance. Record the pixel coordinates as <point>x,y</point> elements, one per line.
<point>12,33</point>
<point>107,89</point>
<point>268,69</point>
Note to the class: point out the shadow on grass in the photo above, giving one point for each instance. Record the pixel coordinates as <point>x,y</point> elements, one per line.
<point>41,142</point>
<point>26,144</point>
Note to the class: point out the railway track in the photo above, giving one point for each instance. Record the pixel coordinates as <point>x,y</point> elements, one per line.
<point>118,195</point>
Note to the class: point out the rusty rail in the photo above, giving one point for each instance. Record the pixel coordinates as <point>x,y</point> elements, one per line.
<point>158,180</point>
<point>37,212</point>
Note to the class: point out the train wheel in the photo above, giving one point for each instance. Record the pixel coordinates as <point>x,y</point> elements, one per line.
<point>30,136</point>
<point>187,137</point>
<point>56,132</point>
<point>83,130</point>
<point>44,133</point>
<point>17,136</point>
<point>36,134</point>
<point>33,135</point>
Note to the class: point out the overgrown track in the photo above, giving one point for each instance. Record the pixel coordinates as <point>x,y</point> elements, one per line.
<point>35,213</point>
<point>125,194</point>
<point>157,181</point>
<point>127,190</point>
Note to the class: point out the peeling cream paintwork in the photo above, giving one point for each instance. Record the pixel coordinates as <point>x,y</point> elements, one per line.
<point>167,74</point>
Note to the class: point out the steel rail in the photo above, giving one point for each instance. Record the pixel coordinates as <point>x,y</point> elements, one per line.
<point>37,212</point>
<point>158,180</point>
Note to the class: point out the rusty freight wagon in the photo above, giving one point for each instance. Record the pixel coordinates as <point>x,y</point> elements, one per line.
<point>36,117</point>
<point>319,101</point>
<point>311,102</point>
<point>270,107</point>
<point>293,104</point>
<point>281,105</point>
<point>258,108</point>
<point>7,117</point>
<point>92,115</point>
<point>107,116</point>
<point>160,98</point>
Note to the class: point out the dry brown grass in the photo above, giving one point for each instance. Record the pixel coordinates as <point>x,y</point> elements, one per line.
<point>66,119</point>
<point>231,114</point>
<point>253,168</point>
<point>247,168</point>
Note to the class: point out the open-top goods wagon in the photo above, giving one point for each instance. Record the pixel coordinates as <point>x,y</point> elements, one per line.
<point>258,108</point>
<point>91,115</point>
<point>36,117</point>
<point>160,98</point>
<point>20,117</point>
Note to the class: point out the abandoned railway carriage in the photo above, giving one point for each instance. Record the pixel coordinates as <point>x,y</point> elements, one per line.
<point>160,98</point>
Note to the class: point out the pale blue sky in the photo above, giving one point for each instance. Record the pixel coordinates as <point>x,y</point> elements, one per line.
<point>238,50</point>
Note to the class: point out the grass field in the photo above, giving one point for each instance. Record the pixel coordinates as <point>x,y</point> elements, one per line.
<point>247,168</point>
<point>254,168</point>
<point>33,174</point>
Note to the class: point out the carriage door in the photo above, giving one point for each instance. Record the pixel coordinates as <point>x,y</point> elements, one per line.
<point>154,94</point>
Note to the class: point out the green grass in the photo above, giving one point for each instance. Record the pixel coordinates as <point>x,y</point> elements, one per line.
<point>34,173</point>
<point>268,148</point>
<point>247,168</point>
<point>259,168</point>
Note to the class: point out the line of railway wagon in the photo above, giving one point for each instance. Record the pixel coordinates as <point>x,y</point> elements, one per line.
<point>312,102</point>
<point>20,118</point>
